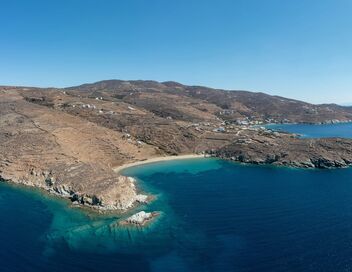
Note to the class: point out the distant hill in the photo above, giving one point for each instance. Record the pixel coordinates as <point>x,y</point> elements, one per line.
<point>231,105</point>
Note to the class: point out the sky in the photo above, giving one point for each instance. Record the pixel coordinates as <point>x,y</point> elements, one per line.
<point>298,49</point>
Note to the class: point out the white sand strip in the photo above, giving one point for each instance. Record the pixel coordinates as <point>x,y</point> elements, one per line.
<point>157,159</point>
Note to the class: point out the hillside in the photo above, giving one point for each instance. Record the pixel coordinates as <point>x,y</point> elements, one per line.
<point>68,141</point>
<point>230,105</point>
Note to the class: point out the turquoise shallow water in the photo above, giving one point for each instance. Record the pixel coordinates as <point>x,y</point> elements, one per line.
<point>216,216</point>
<point>343,130</point>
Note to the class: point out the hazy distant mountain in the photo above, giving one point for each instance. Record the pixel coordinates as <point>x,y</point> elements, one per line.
<point>346,104</point>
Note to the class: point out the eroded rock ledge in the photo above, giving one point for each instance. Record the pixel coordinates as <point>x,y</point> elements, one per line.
<point>120,197</point>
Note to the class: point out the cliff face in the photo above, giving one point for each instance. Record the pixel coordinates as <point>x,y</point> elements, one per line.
<point>67,141</point>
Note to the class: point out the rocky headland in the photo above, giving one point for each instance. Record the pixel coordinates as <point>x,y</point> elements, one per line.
<point>288,150</point>
<point>69,141</point>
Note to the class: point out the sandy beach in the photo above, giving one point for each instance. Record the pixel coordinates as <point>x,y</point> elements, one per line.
<point>157,159</point>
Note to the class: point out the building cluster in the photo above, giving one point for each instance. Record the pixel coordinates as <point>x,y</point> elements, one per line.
<point>93,107</point>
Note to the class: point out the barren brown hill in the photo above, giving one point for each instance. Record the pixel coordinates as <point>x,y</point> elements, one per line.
<point>232,105</point>
<point>68,141</point>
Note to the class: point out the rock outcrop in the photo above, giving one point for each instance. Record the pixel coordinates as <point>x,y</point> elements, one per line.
<point>140,218</point>
<point>120,195</point>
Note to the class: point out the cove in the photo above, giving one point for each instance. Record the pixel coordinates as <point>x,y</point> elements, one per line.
<point>343,130</point>
<point>216,216</point>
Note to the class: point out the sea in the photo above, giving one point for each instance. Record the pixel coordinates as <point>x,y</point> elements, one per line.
<point>215,215</point>
<point>343,130</point>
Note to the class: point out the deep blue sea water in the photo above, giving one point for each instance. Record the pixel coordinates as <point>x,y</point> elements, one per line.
<point>215,216</point>
<point>343,130</point>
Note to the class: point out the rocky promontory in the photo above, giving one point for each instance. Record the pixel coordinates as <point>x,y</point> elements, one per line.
<point>287,150</point>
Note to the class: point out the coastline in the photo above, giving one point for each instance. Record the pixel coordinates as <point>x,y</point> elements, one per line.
<point>137,198</point>
<point>118,169</point>
<point>142,218</point>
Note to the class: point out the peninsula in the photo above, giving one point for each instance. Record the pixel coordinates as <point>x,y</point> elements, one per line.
<point>74,142</point>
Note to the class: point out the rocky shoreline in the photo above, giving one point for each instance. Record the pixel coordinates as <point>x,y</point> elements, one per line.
<point>289,151</point>
<point>97,203</point>
<point>69,141</point>
<point>280,149</point>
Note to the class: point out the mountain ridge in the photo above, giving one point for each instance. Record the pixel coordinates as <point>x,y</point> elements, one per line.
<point>257,103</point>
<point>178,84</point>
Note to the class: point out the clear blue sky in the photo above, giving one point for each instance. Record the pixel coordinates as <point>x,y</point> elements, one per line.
<point>294,48</point>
